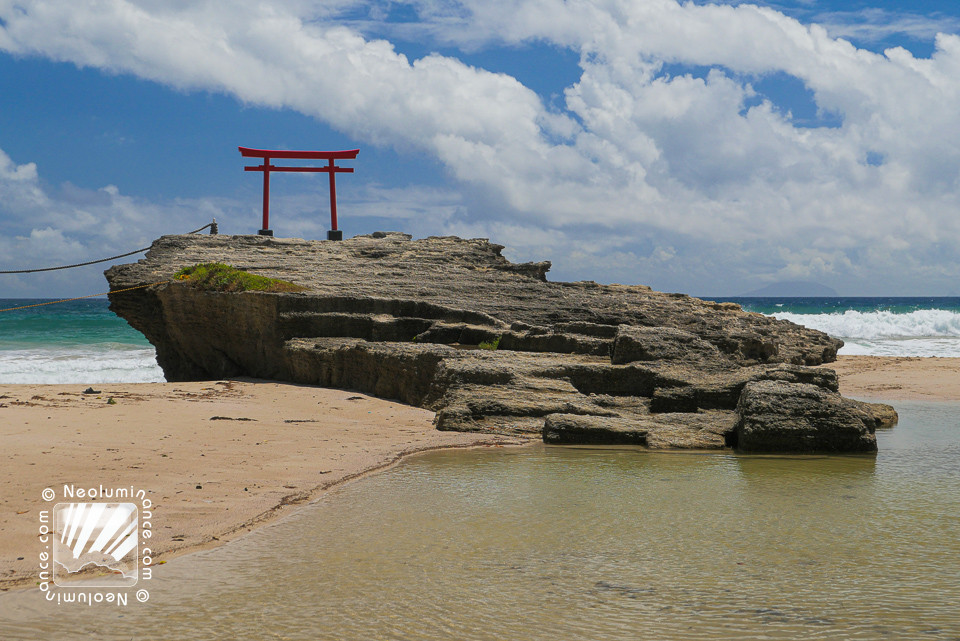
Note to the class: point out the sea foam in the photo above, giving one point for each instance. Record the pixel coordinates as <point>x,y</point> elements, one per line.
<point>924,332</point>
<point>88,364</point>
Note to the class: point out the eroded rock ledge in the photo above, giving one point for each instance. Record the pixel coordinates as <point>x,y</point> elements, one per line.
<point>575,362</point>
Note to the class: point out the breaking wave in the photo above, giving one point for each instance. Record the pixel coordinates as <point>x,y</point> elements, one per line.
<point>102,363</point>
<point>78,341</point>
<point>923,323</point>
<point>923,332</point>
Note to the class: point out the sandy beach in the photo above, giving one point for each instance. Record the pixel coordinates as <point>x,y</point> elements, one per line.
<point>216,458</point>
<point>899,378</point>
<point>220,457</point>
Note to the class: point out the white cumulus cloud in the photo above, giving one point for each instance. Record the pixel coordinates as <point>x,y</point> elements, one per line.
<point>663,153</point>
<point>48,228</point>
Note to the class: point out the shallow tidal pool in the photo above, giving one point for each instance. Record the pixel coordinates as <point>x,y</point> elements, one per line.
<point>562,543</point>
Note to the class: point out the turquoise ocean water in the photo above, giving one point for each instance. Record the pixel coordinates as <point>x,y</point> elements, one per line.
<point>84,342</point>
<point>77,342</point>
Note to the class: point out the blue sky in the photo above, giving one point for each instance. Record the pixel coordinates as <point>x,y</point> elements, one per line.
<point>697,147</point>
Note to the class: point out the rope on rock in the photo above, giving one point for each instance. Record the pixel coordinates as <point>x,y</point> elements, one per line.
<point>213,230</point>
<point>67,300</point>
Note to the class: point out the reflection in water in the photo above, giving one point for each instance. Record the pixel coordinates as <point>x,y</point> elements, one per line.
<point>558,543</point>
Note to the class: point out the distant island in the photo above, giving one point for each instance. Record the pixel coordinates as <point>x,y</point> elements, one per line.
<point>792,289</point>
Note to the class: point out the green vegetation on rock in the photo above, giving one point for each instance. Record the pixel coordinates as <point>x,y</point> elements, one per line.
<point>494,344</point>
<point>609,363</point>
<point>224,278</point>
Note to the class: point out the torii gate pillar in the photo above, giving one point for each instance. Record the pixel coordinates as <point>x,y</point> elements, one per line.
<point>331,169</point>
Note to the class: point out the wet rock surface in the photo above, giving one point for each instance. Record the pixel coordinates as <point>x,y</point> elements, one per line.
<point>450,325</point>
<point>775,416</point>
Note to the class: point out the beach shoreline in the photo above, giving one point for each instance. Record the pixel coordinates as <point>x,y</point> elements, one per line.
<point>215,458</point>
<point>219,458</point>
<point>898,378</point>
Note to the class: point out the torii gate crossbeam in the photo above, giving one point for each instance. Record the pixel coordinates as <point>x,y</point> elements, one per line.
<point>332,169</point>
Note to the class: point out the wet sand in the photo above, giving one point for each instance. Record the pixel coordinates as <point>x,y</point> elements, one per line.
<point>894,379</point>
<point>216,458</point>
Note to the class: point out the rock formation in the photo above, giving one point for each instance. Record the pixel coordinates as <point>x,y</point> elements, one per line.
<point>450,325</point>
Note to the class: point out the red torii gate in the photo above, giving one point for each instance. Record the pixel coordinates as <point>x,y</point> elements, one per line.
<point>332,169</point>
